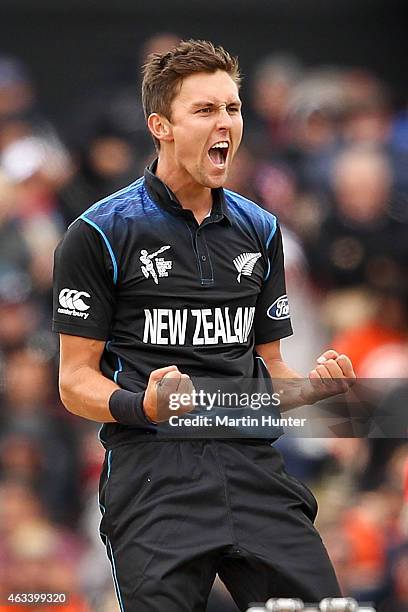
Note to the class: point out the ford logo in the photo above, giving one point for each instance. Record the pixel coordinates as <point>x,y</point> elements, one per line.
<point>279,309</point>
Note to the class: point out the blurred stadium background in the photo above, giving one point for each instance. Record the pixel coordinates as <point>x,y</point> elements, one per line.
<point>325,148</point>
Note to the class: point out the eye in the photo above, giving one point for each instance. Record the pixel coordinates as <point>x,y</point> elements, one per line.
<point>233,109</point>
<point>205,111</point>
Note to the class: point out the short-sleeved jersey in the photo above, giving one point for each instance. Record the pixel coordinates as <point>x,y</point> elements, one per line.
<point>137,271</point>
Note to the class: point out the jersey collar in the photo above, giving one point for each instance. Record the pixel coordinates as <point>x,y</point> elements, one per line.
<point>163,195</point>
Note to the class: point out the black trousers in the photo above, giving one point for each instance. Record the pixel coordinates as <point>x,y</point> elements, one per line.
<point>176,513</point>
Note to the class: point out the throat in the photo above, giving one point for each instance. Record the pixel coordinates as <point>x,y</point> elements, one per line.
<point>199,203</point>
<point>200,216</point>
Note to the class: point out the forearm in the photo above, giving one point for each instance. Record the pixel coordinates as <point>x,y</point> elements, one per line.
<point>86,392</point>
<point>287,382</point>
<point>279,369</point>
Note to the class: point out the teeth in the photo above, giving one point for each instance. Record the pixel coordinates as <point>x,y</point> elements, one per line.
<point>220,145</point>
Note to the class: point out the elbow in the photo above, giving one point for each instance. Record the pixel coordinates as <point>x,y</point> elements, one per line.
<point>66,392</point>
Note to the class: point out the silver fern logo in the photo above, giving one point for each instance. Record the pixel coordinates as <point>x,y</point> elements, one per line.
<point>245,264</point>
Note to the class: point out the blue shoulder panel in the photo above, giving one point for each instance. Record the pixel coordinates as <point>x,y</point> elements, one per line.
<point>101,216</point>
<point>264,221</point>
<point>108,245</point>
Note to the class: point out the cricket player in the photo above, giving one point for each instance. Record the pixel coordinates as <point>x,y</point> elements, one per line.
<point>170,279</point>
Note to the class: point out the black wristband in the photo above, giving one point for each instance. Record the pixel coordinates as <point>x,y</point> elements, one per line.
<point>127,408</point>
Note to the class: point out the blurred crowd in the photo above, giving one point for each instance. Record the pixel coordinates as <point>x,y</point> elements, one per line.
<point>326,150</point>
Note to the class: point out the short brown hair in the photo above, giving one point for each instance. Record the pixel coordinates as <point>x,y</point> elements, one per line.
<point>163,74</point>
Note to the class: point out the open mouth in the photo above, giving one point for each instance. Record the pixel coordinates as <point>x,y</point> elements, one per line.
<point>218,153</point>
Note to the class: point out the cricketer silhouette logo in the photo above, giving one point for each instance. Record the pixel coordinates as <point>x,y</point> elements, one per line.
<point>153,266</point>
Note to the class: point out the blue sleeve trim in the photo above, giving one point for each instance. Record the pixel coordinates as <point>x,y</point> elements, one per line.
<point>120,369</point>
<point>271,235</point>
<point>108,246</point>
<point>268,242</point>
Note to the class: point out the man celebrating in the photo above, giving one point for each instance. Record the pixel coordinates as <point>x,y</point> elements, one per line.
<point>169,279</point>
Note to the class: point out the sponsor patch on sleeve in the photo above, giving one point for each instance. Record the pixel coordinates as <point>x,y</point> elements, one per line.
<point>72,303</point>
<point>279,309</point>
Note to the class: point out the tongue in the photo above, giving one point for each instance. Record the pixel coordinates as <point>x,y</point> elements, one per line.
<point>216,156</point>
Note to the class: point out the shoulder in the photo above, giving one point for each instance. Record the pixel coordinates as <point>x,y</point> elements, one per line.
<point>121,204</point>
<point>80,243</point>
<point>102,229</point>
<point>250,212</point>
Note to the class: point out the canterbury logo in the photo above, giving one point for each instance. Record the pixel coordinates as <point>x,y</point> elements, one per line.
<point>72,299</point>
<point>245,264</point>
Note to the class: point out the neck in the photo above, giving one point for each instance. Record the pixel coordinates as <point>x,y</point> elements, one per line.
<point>190,194</point>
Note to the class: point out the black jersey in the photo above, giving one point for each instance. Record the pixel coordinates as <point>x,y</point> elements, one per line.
<point>137,271</point>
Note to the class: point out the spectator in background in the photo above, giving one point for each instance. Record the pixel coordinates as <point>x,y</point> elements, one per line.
<point>314,109</point>
<point>36,556</point>
<point>272,85</point>
<point>106,162</point>
<point>111,145</point>
<point>19,318</point>
<point>380,326</point>
<point>16,91</point>
<point>18,505</point>
<point>31,152</point>
<point>360,256</point>
<point>15,279</point>
<point>241,176</point>
<point>37,168</point>
<point>29,226</point>
<point>399,148</point>
<point>277,190</point>
<point>37,445</point>
<point>360,241</point>
<point>367,117</point>
<point>14,251</point>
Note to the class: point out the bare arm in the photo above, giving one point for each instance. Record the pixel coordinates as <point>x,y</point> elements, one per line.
<point>271,354</point>
<point>332,375</point>
<point>85,391</point>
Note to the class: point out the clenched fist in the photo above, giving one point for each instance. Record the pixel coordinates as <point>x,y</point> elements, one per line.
<point>334,374</point>
<point>166,384</point>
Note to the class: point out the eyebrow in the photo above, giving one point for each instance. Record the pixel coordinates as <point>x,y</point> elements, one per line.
<point>236,102</point>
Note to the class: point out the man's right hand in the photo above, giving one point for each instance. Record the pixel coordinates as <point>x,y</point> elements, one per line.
<point>162,384</point>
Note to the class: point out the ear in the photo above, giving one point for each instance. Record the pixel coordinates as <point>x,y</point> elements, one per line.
<point>160,127</point>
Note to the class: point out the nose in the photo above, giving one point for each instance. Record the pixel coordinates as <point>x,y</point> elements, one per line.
<point>224,121</point>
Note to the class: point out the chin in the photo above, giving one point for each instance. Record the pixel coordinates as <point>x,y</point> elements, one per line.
<point>217,181</point>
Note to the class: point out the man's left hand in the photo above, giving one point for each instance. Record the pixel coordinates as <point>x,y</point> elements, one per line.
<point>333,375</point>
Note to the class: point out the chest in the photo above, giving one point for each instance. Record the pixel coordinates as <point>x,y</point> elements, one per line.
<point>180,263</point>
